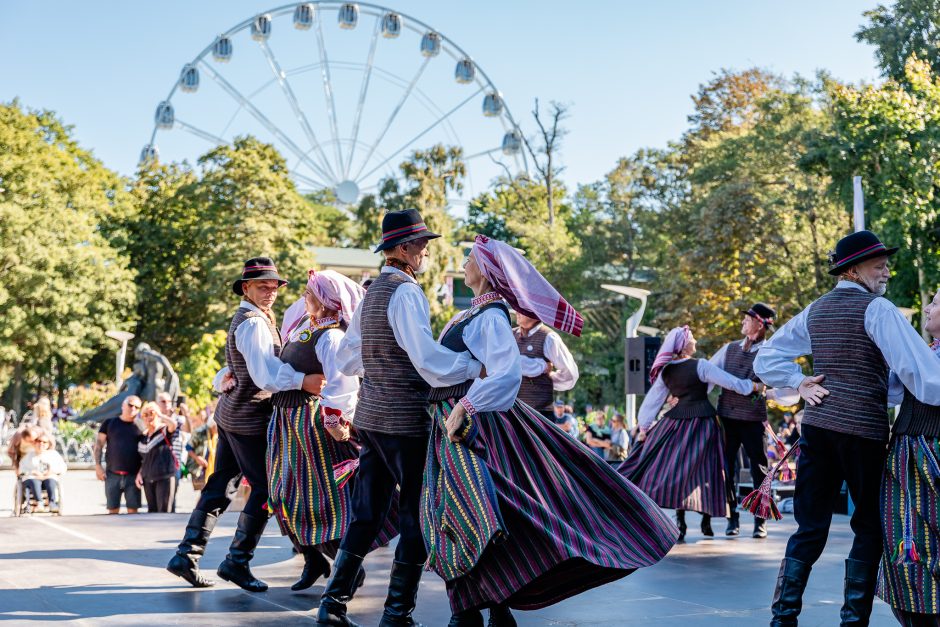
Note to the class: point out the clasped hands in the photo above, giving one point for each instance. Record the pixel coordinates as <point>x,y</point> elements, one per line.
<point>313,383</point>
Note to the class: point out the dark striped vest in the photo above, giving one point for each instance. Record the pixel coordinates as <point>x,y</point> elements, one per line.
<point>301,354</point>
<point>855,370</point>
<point>393,398</point>
<point>453,340</point>
<point>916,418</point>
<point>751,408</point>
<point>683,383</point>
<point>536,392</point>
<point>246,408</point>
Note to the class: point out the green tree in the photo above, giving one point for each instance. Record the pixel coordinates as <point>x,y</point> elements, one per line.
<point>198,368</point>
<point>64,281</point>
<point>194,230</point>
<point>905,29</point>
<point>890,136</point>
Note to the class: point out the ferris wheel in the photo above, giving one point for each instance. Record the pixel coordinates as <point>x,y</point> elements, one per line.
<point>351,91</point>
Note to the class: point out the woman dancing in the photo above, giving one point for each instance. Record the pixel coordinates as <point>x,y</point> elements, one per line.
<point>680,465</point>
<point>515,513</point>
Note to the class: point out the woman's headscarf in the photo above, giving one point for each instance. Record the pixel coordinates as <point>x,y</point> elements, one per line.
<point>331,288</point>
<point>526,290</point>
<point>672,347</point>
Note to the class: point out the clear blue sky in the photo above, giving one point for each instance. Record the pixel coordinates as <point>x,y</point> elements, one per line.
<point>627,67</point>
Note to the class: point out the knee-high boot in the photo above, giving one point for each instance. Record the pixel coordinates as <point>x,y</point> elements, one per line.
<point>788,597</point>
<point>185,563</point>
<point>235,566</point>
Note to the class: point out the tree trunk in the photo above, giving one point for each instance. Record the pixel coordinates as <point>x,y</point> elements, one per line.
<point>60,382</point>
<point>18,389</point>
<point>925,297</point>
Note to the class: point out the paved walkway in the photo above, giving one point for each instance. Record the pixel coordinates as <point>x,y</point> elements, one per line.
<point>108,570</point>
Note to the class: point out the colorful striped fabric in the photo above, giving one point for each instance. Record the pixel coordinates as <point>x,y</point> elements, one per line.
<point>910,566</point>
<point>680,465</point>
<point>309,480</point>
<point>521,513</point>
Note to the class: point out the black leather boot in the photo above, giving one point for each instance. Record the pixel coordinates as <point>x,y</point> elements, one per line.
<point>315,566</point>
<point>680,522</point>
<point>760,528</point>
<point>402,595</point>
<point>734,524</point>
<point>860,579</point>
<point>707,526</point>
<point>788,597</point>
<point>467,618</point>
<point>235,566</point>
<point>347,577</point>
<point>501,616</point>
<point>185,563</point>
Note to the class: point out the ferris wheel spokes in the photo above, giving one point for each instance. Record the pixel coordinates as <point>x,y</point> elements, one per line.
<point>328,93</point>
<point>366,76</point>
<point>424,132</point>
<point>270,126</point>
<point>295,105</point>
<point>198,132</point>
<point>391,118</point>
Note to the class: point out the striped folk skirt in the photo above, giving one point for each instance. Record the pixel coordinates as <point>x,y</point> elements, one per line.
<point>309,480</point>
<point>910,566</point>
<point>680,465</point>
<point>523,514</point>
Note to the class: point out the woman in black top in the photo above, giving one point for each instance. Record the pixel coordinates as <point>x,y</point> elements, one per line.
<point>157,475</point>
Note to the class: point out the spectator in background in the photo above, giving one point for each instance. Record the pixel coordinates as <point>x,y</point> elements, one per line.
<point>42,413</point>
<point>22,442</point>
<point>789,429</point>
<point>197,449</point>
<point>564,419</point>
<point>64,412</point>
<point>619,439</point>
<point>118,438</point>
<point>179,417</point>
<point>40,470</point>
<point>159,466</point>
<point>598,435</point>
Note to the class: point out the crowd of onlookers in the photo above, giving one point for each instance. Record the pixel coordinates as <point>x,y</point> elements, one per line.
<point>143,452</point>
<point>149,448</point>
<point>603,431</point>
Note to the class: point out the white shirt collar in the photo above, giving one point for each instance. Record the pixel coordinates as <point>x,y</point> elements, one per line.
<point>250,306</point>
<point>841,285</point>
<point>533,330</point>
<point>390,269</point>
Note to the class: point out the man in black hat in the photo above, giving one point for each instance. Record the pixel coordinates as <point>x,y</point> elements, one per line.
<point>743,417</point>
<point>242,416</point>
<point>855,337</point>
<point>389,343</point>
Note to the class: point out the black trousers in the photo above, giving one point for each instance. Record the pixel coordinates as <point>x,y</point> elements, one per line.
<point>237,455</point>
<point>160,493</point>
<point>751,436</point>
<point>384,462</point>
<point>827,458</point>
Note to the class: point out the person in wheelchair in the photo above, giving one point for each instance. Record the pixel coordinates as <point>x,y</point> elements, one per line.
<point>40,470</point>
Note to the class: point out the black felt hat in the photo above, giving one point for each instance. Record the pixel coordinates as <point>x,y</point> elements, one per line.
<point>399,227</point>
<point>855,248</point>
<point>763,313</point>
<point>257,269</point>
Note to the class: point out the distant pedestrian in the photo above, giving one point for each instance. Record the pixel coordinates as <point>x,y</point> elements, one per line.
<point>159,466</point>
<point>117,440</point>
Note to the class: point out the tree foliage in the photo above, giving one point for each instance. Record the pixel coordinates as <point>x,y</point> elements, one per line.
<point>199,367</point>
<point>905,29</point>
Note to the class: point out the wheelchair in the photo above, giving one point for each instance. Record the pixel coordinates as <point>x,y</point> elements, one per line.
<point>38,504</point>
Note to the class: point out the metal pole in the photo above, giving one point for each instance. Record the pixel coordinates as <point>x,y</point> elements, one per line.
<point>858,204</point>
<point>119,374</point>
<point>633,322</point>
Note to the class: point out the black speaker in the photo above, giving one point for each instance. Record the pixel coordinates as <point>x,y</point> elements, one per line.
<point>639,356</point>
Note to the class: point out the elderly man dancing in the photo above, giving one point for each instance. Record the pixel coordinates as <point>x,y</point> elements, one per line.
<point>856,336</point>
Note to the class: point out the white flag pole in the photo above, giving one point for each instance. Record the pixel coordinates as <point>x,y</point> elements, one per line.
<point>858,203</point>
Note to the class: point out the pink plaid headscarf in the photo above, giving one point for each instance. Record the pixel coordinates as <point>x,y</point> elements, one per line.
<point>672,347</point>
<point>527,291</point>
<point>333,290</point>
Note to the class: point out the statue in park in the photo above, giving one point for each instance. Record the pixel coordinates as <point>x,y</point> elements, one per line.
<point>151,374</point>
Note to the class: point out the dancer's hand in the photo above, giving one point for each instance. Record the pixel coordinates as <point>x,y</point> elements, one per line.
<point>641,436</point>
<point>672,401</point>
<point>313,384</point>
<point>811,391</point>
<point>455,422</point>
<point>228,381</point>
<point>548,368</point>
<point>340,433</point>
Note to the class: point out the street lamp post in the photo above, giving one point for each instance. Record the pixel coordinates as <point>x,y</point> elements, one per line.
<point>123,337</point>
<point>633,323</point>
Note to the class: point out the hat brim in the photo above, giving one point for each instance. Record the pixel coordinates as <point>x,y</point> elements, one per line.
<point>237,285</point>
<point>770,326</point>
<point>838,269</point>
<point>402,240</point>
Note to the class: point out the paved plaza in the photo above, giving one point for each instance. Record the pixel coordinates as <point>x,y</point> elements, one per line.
<point>90,569</point>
